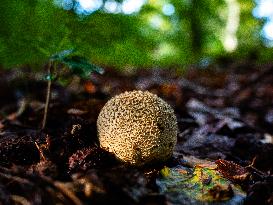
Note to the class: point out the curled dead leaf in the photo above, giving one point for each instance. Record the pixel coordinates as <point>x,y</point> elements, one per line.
<point>232,171</point>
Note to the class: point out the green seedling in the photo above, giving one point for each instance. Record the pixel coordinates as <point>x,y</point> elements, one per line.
<point>66,59</point>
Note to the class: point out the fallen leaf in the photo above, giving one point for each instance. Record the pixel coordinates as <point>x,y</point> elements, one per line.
<point>232,171</point>
<point>201,184</point>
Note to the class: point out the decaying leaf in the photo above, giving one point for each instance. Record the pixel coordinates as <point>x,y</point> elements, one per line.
<point>201,184</point>
<point>232,171</point>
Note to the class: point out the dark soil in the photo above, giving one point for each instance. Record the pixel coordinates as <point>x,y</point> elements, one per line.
<point>222,114</point>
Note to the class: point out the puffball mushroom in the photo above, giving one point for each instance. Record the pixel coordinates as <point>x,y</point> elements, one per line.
<point>138,128</point>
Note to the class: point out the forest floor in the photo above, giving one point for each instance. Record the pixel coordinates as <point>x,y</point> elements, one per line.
<point>224,114</point>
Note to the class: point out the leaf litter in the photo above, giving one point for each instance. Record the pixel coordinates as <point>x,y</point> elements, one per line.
<point>224,152</point>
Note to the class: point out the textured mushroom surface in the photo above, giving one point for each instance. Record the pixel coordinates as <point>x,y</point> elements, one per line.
<point>138,127</point>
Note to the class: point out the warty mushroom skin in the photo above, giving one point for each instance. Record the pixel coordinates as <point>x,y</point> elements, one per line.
<point>138,127</point>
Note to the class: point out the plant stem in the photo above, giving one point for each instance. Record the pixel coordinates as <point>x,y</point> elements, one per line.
<point>48,94</point>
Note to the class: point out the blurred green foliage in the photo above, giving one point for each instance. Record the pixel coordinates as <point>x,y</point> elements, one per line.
<point>33,30</point>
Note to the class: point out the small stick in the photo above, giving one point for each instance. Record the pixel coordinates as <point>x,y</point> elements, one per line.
<point>20,200</point>
<point>42,156</point>
<point>257,171</point>
<point>63,189</point>
<point>68,193</point>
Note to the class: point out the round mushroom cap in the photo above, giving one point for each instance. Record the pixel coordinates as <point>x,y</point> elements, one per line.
<point>138,128</point>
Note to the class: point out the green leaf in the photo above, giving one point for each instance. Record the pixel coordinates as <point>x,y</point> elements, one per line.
<point>183,185</point>
<point>81,66</point>
<point>62,55</point>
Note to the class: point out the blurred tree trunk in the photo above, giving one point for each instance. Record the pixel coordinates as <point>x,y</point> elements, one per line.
<point>196,26</point>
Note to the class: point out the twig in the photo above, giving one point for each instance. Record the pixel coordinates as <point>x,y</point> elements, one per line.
<point>21,109</point>
<point>254,169</point>
<point>42,156</point>
<point>66,192</point>
<point>63,189</point>
<point>20,200</point>
<point>11,176</point>
<point>15,179</point>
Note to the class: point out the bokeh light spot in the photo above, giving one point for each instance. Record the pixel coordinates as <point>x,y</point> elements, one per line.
<point>168,9</point>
